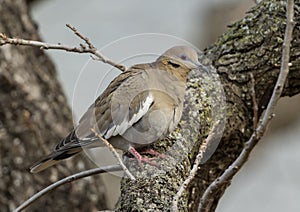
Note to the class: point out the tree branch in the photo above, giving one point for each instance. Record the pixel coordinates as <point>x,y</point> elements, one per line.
<point>254,102</point>
<point>195,168</point>
<point>68,179</point>
<point>89,48</point>
<point>206,200</point>
<point>115,153</point>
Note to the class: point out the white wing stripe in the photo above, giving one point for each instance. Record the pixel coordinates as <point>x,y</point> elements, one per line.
<point>109,132</point>
<point>143,110</point>
<point>121,129</point>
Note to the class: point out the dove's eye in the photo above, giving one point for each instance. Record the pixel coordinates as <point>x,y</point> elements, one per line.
<point>183,57</point>
<point>175,65</point>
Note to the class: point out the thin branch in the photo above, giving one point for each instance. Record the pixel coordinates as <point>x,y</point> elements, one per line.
<point>95,51</point>
<point>194,170</point>
<point>66,180</point>
<point>227,176</point>
<point>89,49</point>
<point>254,102</point>
<point>115,153</point>
<point>81,36</point>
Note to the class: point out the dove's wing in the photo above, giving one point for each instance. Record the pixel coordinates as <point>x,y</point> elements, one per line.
<point>121,105</point>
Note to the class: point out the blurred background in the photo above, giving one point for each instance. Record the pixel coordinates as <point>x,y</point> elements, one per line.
<point>270,179</point>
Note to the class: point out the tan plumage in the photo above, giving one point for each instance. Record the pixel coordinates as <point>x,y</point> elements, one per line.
<point>139,107</point>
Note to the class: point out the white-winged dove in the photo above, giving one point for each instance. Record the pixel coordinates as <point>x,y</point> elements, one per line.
<point>139,107</point>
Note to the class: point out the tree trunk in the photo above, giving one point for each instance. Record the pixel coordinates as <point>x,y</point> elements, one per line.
<point>250,46</point>
<point>34,116</point>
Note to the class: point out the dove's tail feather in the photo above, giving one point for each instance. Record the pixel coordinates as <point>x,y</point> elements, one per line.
<point>53,159</point>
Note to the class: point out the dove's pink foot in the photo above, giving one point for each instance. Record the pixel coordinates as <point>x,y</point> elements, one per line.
<point>142,159</point>
<point>154,153</point>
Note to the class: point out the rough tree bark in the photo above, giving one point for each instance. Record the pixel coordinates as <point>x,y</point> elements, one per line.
<point>34,114</point>
<point>251,45</point>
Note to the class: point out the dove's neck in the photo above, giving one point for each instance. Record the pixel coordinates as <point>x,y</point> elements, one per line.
<point>182,76</point>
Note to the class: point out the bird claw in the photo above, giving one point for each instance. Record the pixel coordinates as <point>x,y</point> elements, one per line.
<point>141,159</point>
<point>155,153</point>
<point>150,161</point>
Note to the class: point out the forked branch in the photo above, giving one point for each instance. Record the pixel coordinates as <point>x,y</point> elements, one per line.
<point>88,47</point>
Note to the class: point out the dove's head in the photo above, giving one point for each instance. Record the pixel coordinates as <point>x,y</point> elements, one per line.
<point>179,60</point>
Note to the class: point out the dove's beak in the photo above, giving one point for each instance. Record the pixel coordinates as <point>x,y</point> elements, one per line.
<point>198,65</point>
<point>201,67</point>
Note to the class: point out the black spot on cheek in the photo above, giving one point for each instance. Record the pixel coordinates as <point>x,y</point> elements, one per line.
<point>175,65</point>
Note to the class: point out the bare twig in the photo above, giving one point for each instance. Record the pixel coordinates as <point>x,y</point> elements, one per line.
<point>115,153</point>
<point>90,49</point>
<point>207,197</point>
<point>95,51</point>
<point>63,181</point>
<point>254,102</point>
<point>86,40</point>
<point>194,170</point>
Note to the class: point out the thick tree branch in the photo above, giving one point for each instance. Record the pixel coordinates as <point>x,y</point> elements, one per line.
<point>202,149</point>
<point>226,177</point>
